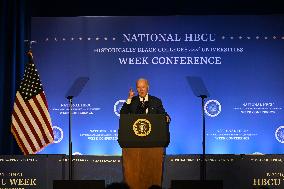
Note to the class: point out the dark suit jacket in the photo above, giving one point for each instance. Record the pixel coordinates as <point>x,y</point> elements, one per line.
<point>154,105</point>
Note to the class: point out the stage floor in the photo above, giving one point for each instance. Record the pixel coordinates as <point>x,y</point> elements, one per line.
<point>236,171</point>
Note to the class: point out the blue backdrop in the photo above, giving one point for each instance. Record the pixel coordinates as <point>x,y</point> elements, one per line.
<point>239,58</point>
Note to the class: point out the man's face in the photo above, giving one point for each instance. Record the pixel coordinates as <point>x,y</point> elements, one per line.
<point>142,88</point>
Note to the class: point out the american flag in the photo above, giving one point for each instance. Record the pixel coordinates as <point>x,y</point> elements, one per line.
<point>31,123</point>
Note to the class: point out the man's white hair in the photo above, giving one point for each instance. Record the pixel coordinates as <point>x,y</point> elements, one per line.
<point>142,79</point>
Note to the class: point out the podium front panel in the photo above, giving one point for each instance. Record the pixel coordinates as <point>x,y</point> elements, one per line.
<point>143,131</point>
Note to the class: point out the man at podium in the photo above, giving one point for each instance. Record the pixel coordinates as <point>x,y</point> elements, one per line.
<point>143,163</point>
<point>143,103</point>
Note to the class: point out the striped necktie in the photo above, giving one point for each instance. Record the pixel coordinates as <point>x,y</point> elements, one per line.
<point>143,102</point>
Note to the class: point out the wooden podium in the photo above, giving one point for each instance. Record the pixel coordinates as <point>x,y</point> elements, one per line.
<point>143,138</point>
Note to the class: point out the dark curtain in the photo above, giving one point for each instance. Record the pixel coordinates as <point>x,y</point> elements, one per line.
<point>14,30</point>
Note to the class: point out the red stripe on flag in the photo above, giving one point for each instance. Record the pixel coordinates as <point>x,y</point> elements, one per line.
<point>45,102</point>
<point>40,126</point>
<point>19,140</point>
<point>43,97</point>
<point>22,128</point>
<point>43,115</point>
<point>30,125</point>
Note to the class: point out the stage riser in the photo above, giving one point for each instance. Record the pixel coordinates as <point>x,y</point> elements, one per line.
<point>236,171</point>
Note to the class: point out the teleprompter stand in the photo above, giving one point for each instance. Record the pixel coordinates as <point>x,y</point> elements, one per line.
<point>73,91</point>
<point>199,90</point>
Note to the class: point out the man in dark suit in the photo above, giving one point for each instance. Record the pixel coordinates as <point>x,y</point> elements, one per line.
<point>141,173</point>
<point>143,103</point>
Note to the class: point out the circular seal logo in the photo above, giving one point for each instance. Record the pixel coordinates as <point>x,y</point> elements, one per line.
<point>117,106</point>
<point>58,134</point>
<point>142,127</point>
<point>212,108</point>
<point>279,134</point>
